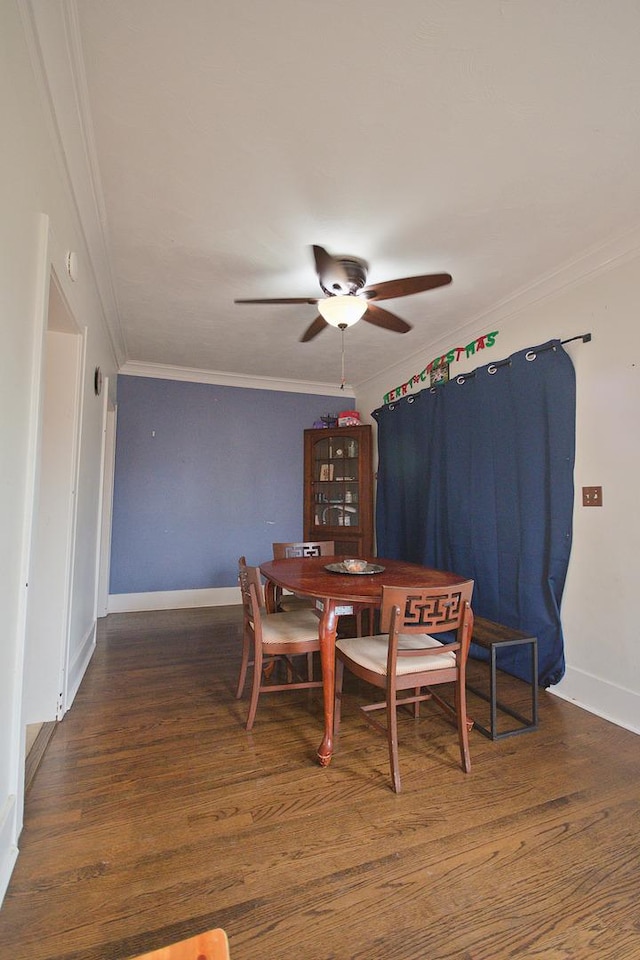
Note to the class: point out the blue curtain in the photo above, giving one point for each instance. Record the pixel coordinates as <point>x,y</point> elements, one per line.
<point>476,476</point>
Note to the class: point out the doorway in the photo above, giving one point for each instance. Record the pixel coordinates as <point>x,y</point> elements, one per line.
<point>51,566</point>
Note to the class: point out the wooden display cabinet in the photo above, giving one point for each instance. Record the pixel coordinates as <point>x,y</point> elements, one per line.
<point>338,488</point>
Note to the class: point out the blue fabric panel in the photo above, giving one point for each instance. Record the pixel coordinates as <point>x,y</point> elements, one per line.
<point>203,474</point>
<point>477,477</point>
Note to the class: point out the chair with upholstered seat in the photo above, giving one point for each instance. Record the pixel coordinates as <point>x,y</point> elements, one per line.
<point>212,945</point>
<point>288,601</point>
<point>408,657</point>
<point>272,637</point>
<point>283,551</point>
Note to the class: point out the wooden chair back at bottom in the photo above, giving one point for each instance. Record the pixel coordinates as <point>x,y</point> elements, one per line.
<point>212,945</point>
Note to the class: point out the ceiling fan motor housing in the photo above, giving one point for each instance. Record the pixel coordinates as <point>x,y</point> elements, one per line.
<point>356,272</point>
<point>346,298</point>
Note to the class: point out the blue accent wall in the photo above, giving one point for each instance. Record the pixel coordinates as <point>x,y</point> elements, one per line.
<point>203,474</point>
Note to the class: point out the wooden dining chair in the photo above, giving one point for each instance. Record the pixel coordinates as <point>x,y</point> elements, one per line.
<point>212,945</point>
<point>349,624</point>
<point>283,551</point>
<point>408,657</point>
<point>308,548</point>
<point>272,637</point>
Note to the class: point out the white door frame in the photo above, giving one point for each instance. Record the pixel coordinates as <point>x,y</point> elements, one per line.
<point>107,476</point>
<point>54,510</point>
<point>39,321</point>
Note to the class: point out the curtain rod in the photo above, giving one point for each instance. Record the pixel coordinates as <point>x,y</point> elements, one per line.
<point>493,367</point>
<point>585,337</point>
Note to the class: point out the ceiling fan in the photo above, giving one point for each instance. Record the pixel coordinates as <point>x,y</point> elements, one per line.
<point>347,299</point>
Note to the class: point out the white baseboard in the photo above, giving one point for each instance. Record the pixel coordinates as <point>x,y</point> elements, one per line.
<point>606,700</point>
<point>173,599</point>
<point>79,664</point>
<point>8,848</point>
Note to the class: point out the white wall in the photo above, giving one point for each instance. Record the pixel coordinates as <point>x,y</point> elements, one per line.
<point>598,616</point>
<point>38,225</point>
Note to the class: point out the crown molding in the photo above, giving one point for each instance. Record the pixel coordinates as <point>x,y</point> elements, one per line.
<point>164,372</point>
<point>53,39</point>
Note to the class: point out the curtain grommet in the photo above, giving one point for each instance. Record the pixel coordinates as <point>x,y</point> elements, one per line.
<point>432,390</point>
<point>491,369</point>
<point>410,399</point>
<point>392,406</point>
<point>530,355</point>
<point>460,379</point>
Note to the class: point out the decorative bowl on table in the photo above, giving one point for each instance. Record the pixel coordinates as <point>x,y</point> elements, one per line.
<point>352,565</point>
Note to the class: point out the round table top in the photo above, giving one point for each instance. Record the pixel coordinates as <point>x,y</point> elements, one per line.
<point>308,576</point>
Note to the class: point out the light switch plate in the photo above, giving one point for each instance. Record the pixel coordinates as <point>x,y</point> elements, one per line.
<point>592,496</point>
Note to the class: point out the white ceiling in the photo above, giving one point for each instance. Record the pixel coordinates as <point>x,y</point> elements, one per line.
<point>497,140</point>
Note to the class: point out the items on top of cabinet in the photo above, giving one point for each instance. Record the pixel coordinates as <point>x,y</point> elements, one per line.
<point>346,418</point>
<point>329,421</point>
<point>349,418</point>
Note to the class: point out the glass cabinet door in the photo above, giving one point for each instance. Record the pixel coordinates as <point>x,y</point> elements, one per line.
<point>338,488</point>
<point>335,481</point>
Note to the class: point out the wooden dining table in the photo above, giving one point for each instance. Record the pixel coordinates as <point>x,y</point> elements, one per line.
<point>342,594</point>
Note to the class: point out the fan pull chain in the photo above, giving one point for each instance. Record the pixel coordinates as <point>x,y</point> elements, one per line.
<point>342,380</point>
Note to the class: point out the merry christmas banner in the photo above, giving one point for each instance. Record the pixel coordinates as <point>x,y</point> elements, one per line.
<point>440,364</point>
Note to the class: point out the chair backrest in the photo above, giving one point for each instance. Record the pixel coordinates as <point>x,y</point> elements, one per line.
<point>318,548</point>
<point>429,610</point>
<point>249,577</point>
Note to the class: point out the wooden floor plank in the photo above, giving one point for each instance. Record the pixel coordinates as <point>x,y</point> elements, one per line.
<point>154,815</point>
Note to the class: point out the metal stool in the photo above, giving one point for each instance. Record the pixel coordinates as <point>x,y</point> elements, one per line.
<point>494,637</point>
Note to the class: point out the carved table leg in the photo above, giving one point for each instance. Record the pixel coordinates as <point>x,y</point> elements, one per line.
<point>327,634</point>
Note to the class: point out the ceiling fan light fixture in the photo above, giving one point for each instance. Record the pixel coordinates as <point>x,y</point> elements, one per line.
<point>343,310</point>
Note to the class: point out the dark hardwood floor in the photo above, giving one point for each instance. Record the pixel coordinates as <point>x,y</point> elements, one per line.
<point>154,815</point>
